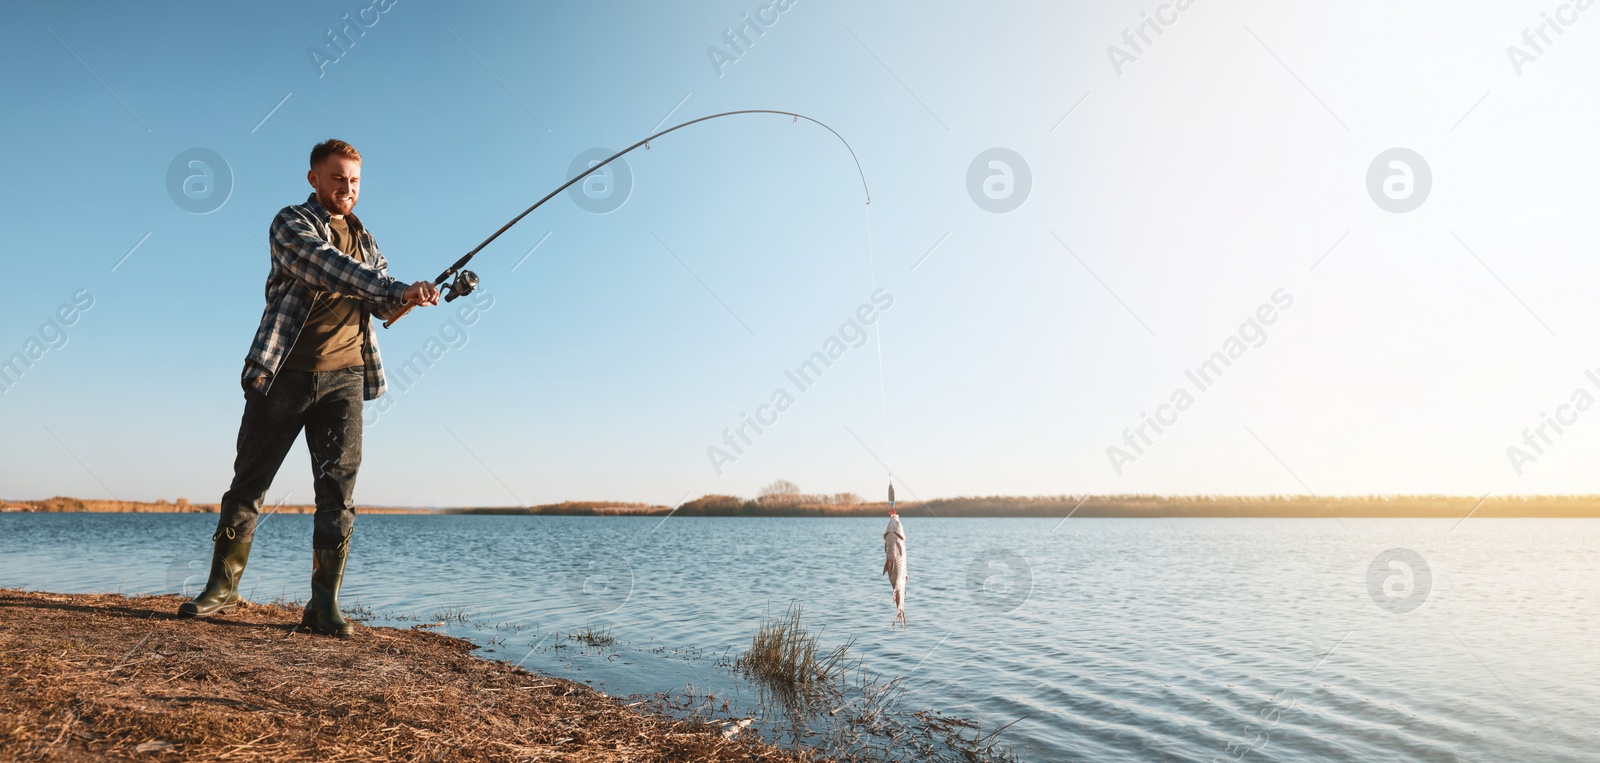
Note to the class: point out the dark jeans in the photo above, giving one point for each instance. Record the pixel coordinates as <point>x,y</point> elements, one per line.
<point>327,404</point>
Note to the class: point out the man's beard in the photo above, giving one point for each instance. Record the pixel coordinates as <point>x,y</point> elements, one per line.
<point>333,206</point>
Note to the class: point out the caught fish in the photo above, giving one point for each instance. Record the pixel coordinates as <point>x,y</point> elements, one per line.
<point>894,565</point>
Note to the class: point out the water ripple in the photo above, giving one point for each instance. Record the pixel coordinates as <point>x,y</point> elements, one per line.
<point>1121,640</point>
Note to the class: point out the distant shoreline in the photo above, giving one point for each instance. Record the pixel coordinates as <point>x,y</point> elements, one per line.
<point>1039,507</point>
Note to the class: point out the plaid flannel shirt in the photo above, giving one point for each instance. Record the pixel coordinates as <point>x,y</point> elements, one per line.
<point>305,263</point>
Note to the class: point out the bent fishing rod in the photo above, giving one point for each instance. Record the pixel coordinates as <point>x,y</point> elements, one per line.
<point>466,281</point>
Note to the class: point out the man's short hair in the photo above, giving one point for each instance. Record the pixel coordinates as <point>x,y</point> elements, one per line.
<point>333,146</point>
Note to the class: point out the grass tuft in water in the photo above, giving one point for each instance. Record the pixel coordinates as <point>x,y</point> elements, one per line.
<point>591,636</point>
<point>784,654</point>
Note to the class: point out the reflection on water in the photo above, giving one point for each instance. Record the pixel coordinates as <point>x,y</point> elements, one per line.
<point>1111,639</point>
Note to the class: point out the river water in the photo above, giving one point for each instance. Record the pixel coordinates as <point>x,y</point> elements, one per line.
<point>1110,639</point>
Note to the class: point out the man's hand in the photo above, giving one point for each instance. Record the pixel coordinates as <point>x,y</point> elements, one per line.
<point>422,293</point>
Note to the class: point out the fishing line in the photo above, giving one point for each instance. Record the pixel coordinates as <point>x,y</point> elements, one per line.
<point>877,334</point>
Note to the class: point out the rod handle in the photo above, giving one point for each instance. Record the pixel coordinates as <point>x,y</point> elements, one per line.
<point>399,315</point>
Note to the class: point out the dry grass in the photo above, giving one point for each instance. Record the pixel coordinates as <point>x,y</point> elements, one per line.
<point>63,504</point>
<point>785,656</point>
<point>95,677</point>
<point>1150,506</point>
<point>1297,506</point>
<point>827,702</point>
<point>571,508</point>
<point>1049,506</point>
<point>593,637</point>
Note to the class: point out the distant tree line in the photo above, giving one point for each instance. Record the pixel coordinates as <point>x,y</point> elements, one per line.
<point>784,498</point>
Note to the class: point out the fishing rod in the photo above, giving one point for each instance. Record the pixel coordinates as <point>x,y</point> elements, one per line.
<point>466,281</point>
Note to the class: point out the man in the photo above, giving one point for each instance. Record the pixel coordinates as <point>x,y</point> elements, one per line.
<point>313,362</point>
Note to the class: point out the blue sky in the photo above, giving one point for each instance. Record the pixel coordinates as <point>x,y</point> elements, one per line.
<point>1170,196</point>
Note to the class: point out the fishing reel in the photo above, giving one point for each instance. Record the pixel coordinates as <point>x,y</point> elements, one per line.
<point>466,282</point>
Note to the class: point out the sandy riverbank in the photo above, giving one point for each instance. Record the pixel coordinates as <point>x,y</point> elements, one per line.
<point>101,676</point>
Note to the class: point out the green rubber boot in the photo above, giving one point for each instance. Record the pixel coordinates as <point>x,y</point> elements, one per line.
<point>327,573</point>
<point>221,594</point>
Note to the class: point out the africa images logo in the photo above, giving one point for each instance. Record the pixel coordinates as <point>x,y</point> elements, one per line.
<point>999,180</point>
<point>604,190</point>
<point>199,181</point>
<point>1398,180</point>
<point>1399,580</point>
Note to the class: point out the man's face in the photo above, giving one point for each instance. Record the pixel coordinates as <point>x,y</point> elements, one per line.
<point>337,181</point>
